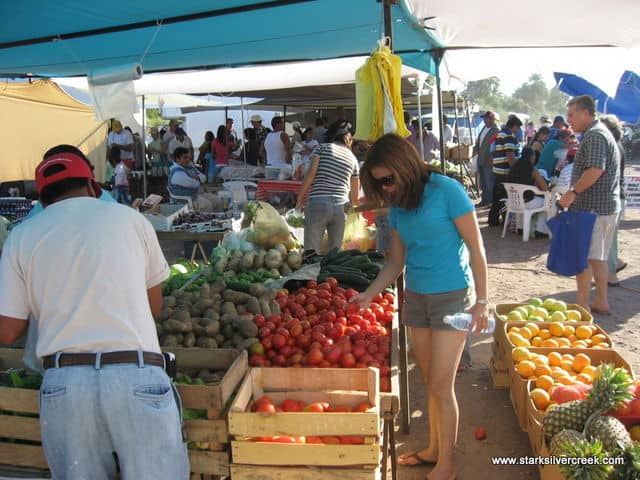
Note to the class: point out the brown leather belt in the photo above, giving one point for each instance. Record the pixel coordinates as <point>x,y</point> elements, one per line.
<point>107,358</point>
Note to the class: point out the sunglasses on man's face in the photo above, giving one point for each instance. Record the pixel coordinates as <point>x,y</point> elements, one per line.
<point>386,181</point>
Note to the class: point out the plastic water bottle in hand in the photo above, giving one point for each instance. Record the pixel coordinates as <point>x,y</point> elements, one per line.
<point>462,321</point>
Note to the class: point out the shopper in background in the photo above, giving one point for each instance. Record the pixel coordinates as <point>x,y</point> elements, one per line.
<point>104,389</point>
<point>205,152</point>
<point>181,139</point>
<point>186,180</point>
<point>277,145</point>
<point>122,183</point>
<point>482,149</point>
<point>320,132</point>
<point>538,141</point>
<point>435,239</point>
<point>121,138</point>
<point>595,188</point>
<point>549,155</point>
<point>220,148</point>
<point>154,152</point>
<point>614,263</point>
<point>332,183</point>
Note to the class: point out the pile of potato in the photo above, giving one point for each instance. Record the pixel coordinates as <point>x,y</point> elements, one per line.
<point>214,316</point>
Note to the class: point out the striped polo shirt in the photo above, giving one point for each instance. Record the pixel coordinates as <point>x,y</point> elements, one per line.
<point>505,142</point>
<point>336,168</point>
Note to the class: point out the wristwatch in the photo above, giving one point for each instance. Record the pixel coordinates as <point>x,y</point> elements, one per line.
<point>482,301</point>
<point>573,189</point>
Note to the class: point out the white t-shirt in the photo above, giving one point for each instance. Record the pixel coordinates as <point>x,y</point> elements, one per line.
<point>121,138</point>
<point>82,269</point>
<point>175,143</point>
<point>122,175</point>
<point>276,154</point>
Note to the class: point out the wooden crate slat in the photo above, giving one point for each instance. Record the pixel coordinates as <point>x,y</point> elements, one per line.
<point>213,359</point>
<point>335,397</point>
<point>390,401</point>
<point>260,453</point>
<point>22,455</point>
<point>253,472</point>
<point>234,376</point>
<point>309,379</point>
<point>19,400</point>
<point>22,428</point>
<point>211,463</point>
<point>207,431</point>
<point>253,424</point>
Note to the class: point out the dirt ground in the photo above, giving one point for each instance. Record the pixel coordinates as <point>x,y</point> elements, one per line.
<point>517,272</point>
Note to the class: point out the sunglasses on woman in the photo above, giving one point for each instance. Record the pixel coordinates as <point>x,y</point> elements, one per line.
<point>386,181</point>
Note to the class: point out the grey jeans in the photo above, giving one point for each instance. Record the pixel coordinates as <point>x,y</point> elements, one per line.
<point>323,214</point>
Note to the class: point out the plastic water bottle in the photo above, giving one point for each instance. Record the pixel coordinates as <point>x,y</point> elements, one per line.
<point>462,320</point>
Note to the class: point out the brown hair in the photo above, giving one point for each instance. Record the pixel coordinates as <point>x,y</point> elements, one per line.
<point>411,173</point>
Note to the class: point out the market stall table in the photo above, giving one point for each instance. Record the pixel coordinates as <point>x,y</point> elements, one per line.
<point>268,187</point>
<point>197,237</point>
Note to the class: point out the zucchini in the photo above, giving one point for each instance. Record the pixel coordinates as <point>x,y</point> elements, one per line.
<point>352,279</point>
<point>357,261</point>
<point>238,286</point>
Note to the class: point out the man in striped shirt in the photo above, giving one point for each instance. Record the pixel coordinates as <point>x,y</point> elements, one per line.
<point>505,154</point>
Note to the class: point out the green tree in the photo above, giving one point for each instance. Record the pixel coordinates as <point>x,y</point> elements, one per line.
<point>534,95</point>
<point>154,119</point>
<point>556,103</point>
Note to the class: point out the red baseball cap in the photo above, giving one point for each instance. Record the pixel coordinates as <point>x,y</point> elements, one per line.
<point>74,167</point>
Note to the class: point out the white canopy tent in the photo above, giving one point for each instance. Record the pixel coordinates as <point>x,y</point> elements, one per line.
<point>484,40</point>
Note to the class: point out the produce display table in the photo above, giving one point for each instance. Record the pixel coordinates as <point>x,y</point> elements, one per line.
<point>267,187</point>
<point>197,237</point>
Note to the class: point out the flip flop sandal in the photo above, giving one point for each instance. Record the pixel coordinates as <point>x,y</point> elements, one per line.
<point>614,284</point>
<point>599,311</point>
<point>622,267</point>
<point>419,461</point>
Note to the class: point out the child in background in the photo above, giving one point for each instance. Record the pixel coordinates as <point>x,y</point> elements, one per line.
<point>122,183</point>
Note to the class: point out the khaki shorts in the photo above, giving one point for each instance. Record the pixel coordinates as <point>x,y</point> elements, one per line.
<point>428,310</point>
<point>602,236</point>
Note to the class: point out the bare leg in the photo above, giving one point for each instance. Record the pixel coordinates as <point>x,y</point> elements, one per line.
<point>583,281</point>
<point>600,275</point>
<point>446,350</point>
<point>421,344</point>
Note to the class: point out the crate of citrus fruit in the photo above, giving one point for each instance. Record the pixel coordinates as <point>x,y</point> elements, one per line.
<point>555,387</point>
<point>562,366</point>
<point>535,310</point>
<point>555,335</point>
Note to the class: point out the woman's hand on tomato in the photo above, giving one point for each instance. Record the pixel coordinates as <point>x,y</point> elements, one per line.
<point>363,300</point>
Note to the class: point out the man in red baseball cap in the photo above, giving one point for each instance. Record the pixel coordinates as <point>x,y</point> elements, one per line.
<point>90,274</point>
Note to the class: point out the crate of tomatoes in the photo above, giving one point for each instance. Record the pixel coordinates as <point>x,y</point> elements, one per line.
<point>318,327</point>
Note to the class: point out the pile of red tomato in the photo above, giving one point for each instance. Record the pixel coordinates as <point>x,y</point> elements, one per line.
<point>318,327</point>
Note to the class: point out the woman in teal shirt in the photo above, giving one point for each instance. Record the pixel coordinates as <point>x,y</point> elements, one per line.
<point>435,235</point>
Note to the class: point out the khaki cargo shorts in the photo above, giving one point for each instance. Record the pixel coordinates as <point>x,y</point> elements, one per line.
<point>428,310</point>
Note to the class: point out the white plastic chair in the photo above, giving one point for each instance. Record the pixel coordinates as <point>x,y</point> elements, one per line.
<point>180,199</point>
<point>516,204</point>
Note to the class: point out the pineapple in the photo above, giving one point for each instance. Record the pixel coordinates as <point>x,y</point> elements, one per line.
<point>610,431</point>
<point>558,441</point>
<point>630,470</point>
<point>608,391</point>
<point>586,471</point>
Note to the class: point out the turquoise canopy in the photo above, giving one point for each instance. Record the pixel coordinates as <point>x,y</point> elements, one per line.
<point>72,37</point>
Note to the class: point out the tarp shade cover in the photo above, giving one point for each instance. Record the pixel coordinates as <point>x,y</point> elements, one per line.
<point>284,31</point>
<point>40,115</point>
<point>575,85</point>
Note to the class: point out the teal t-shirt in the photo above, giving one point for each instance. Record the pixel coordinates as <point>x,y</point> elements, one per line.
<point>437,259</point>
<point>547,161</point>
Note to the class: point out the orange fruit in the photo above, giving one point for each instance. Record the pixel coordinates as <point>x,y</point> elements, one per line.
<point>514,330</point>
<point>520,353</point>
<point>545,382</point>
<point>526,333</point>
<point>540,359</point>
<point>555,359</point>
<point>540,398</point>
<point>580,361</point>
<point>557,373</point>
<point>584,378</point>
<point>549,343</point>
<point>544,333</point>
<point>569,330</point>
<point>598,338</point>
<point>567,365</point>
<point>563,342</point>
<point>536,341</point>
<point>579,344</point>
<point>533,327</point>
<point>566,380</point>
<point>603,345</point>
<point>589,370</point>
<point>526,368</point>
<point>556,329</point>
<point>542,370</point>
<point>584,331</point>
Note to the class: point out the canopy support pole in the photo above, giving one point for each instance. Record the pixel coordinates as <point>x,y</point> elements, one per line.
<point>419,82</point>
<point>144,152</point>
<point>438,57</point>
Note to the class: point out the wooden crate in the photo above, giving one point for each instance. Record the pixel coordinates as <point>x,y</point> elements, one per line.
<point>519,386</point>
<point>336,386</point>
<point>212,398</point>
<point>506,326</point>
<point>499,357</point>
<point>255,472</point>
<point>215,399</point>
<point>500,377</point>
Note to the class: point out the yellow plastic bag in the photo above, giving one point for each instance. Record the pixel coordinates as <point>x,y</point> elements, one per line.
<point>356,235</point>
